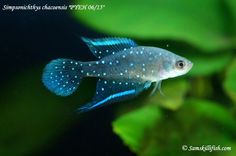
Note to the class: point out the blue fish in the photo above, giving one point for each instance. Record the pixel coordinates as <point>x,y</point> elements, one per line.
<point>123,69</point>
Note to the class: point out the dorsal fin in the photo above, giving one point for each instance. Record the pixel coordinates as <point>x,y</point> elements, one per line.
<point>107,46</point>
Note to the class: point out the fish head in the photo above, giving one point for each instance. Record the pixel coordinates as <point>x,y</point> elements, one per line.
<point>174,65</point>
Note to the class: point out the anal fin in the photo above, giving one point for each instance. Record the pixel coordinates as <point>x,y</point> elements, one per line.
<point>108,91</point>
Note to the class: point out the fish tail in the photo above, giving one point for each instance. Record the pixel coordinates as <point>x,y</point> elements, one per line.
<point>63,76</point>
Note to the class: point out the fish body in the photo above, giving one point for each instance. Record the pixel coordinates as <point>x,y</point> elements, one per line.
<point>124,70</point>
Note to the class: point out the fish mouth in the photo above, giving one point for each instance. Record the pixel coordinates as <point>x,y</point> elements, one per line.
<point>190,65</point>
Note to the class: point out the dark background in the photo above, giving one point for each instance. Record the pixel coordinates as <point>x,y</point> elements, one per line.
<point>30,39</point>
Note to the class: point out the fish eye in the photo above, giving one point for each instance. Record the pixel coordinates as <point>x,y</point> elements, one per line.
<point>180,64</point>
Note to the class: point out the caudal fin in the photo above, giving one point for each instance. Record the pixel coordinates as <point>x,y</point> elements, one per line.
<point>63,76</point>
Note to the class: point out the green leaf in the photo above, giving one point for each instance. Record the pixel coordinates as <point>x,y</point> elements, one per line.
<point>210,110</point>
<point>205,65</point>
<point>132,126</point>
<point>200,23</point>
<point>174,91</point>
<point>30,115</point>
<point>198,122</point>
<point>231,5</point>
<point>230,81</point>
